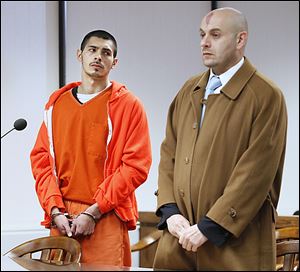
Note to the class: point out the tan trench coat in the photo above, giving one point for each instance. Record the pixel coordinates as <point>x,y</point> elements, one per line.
<point>229,170</point>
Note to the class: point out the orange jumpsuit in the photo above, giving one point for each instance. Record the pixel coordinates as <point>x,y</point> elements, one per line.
<point>79,159</point>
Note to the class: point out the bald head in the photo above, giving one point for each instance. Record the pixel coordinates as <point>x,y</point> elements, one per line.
<point>233,19</point>
<point>228,20</point>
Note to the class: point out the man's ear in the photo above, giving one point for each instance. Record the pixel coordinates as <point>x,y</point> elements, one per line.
<point>242,39</point>
<point>115,61</point>
<point>79,55</point>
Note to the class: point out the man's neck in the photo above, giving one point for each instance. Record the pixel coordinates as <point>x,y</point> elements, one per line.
<point>92,86</point>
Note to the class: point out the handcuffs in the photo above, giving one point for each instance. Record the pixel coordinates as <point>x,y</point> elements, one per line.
<point>70,217</point>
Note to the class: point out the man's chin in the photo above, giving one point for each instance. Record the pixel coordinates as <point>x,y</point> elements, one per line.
<point>96,75</point>
<point>208,63</point>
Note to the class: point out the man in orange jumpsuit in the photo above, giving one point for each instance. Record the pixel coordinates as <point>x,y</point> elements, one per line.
<point>91,153</point>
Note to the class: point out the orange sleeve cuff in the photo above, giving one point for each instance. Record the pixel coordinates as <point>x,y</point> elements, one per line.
<point>54,201</point>
<point>103,204</point>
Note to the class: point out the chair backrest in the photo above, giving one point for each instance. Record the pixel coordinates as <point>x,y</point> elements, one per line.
<point>51,249</point>
<point>289,250</point>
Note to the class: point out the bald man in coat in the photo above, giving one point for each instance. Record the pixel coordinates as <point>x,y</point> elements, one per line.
<point>222,159</point>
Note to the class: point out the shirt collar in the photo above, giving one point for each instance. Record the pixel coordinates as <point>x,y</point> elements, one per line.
<point>236,84</point>
<point>225,77</point>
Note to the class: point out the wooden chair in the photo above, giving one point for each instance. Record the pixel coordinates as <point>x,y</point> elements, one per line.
<point>283,221</point>
<point>289,250</point>
<point>287,233</point>
<point>146,241</point>
<point>287,229</point>
<point>148,238</point>
<point>58,250</point>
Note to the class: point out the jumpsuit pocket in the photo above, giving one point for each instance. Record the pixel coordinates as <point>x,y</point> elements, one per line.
<point>97,139</point>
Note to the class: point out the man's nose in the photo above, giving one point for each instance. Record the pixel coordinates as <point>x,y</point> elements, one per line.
<point>204,43</point>
<point>98,56</point>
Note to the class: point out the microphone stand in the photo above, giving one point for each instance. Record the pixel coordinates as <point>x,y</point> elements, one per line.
<point>7,132</point>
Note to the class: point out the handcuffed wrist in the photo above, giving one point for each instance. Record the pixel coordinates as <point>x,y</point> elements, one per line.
<point>90,215</point>
<point>55,214</point>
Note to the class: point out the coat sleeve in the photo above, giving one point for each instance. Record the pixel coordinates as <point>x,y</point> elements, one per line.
<point>259,169</point>
<point>42,165</point>
<point>165,193</point>
<point>134,151</point>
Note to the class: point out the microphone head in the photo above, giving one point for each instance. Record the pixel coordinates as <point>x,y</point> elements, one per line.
<point>20,124</point>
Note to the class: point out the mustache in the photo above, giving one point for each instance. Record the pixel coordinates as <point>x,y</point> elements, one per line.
<point>97,63</point>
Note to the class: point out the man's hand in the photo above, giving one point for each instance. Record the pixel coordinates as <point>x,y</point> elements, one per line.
<point>177,224</point>
<point>192,238</point>
<point>62,223</point>
<point>83,225</point>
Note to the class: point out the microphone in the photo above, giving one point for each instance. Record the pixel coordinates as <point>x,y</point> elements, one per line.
<point>19,124</point>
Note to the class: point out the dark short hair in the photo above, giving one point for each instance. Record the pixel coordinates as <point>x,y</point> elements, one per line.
<point>100,34</point>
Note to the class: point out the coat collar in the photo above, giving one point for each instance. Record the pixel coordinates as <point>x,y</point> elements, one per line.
<point>235,85</point>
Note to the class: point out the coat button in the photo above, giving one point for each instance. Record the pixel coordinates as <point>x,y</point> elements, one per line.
<point>186,160</point>
<point>194,125</point>
<point>181,192</point>
<point>156,192</point>
<point>232,212</point>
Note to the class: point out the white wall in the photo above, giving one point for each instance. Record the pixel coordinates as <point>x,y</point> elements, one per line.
<point>158,51</point>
